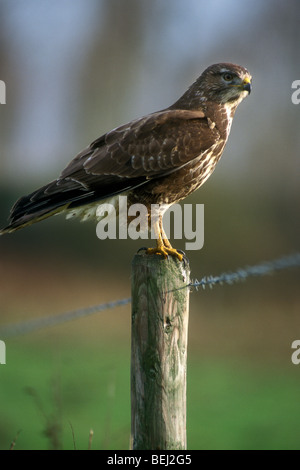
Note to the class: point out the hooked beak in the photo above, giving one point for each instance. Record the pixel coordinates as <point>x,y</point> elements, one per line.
<point>247,84</point>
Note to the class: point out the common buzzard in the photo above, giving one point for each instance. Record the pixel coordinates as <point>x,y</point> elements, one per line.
<point>157,159</point>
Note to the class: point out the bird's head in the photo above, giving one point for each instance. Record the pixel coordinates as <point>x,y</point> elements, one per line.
<point>225,83</point>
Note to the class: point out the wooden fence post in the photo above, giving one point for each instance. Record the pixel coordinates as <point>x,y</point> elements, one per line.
<point>159,352</point>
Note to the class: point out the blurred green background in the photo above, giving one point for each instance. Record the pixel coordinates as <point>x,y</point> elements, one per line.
<point>74,70</point>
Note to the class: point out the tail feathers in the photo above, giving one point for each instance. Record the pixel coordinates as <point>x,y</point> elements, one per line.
<point>28,218</point>
<point>39,205</point>
<point>63,194</point>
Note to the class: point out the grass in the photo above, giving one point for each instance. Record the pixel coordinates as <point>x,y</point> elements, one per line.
<point>59,383</point>
<point>243,407</point>
<point>52,395</point>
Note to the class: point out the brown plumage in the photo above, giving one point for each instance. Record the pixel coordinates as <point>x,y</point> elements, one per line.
<point>158,159</point>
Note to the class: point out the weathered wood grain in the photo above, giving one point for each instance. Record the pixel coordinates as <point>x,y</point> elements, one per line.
<point>159,352</point>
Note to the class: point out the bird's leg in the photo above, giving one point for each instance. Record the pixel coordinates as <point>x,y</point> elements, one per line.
<point>165,240</point>
<point>163,246</point>
<point>168,247</point>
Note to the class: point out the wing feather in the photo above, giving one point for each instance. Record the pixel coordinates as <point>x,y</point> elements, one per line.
<point>123,159</point>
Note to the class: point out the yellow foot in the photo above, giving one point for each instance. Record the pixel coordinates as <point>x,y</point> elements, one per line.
<point>164,251</point>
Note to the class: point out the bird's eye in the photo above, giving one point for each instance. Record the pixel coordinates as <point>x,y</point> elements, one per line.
<point>227,76</point>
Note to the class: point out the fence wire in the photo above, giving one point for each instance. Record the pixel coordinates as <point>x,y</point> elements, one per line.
<point>239,275</point>
<point>37,323</point>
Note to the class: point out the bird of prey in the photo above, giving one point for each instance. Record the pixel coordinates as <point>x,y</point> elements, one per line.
<point>158,159</point>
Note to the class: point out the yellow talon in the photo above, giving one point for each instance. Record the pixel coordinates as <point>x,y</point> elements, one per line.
<point>164,251</point>
<point>164,247</point>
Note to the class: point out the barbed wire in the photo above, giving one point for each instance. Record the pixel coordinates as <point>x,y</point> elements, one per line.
<point>37,323</point>
<point>239,275</point>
